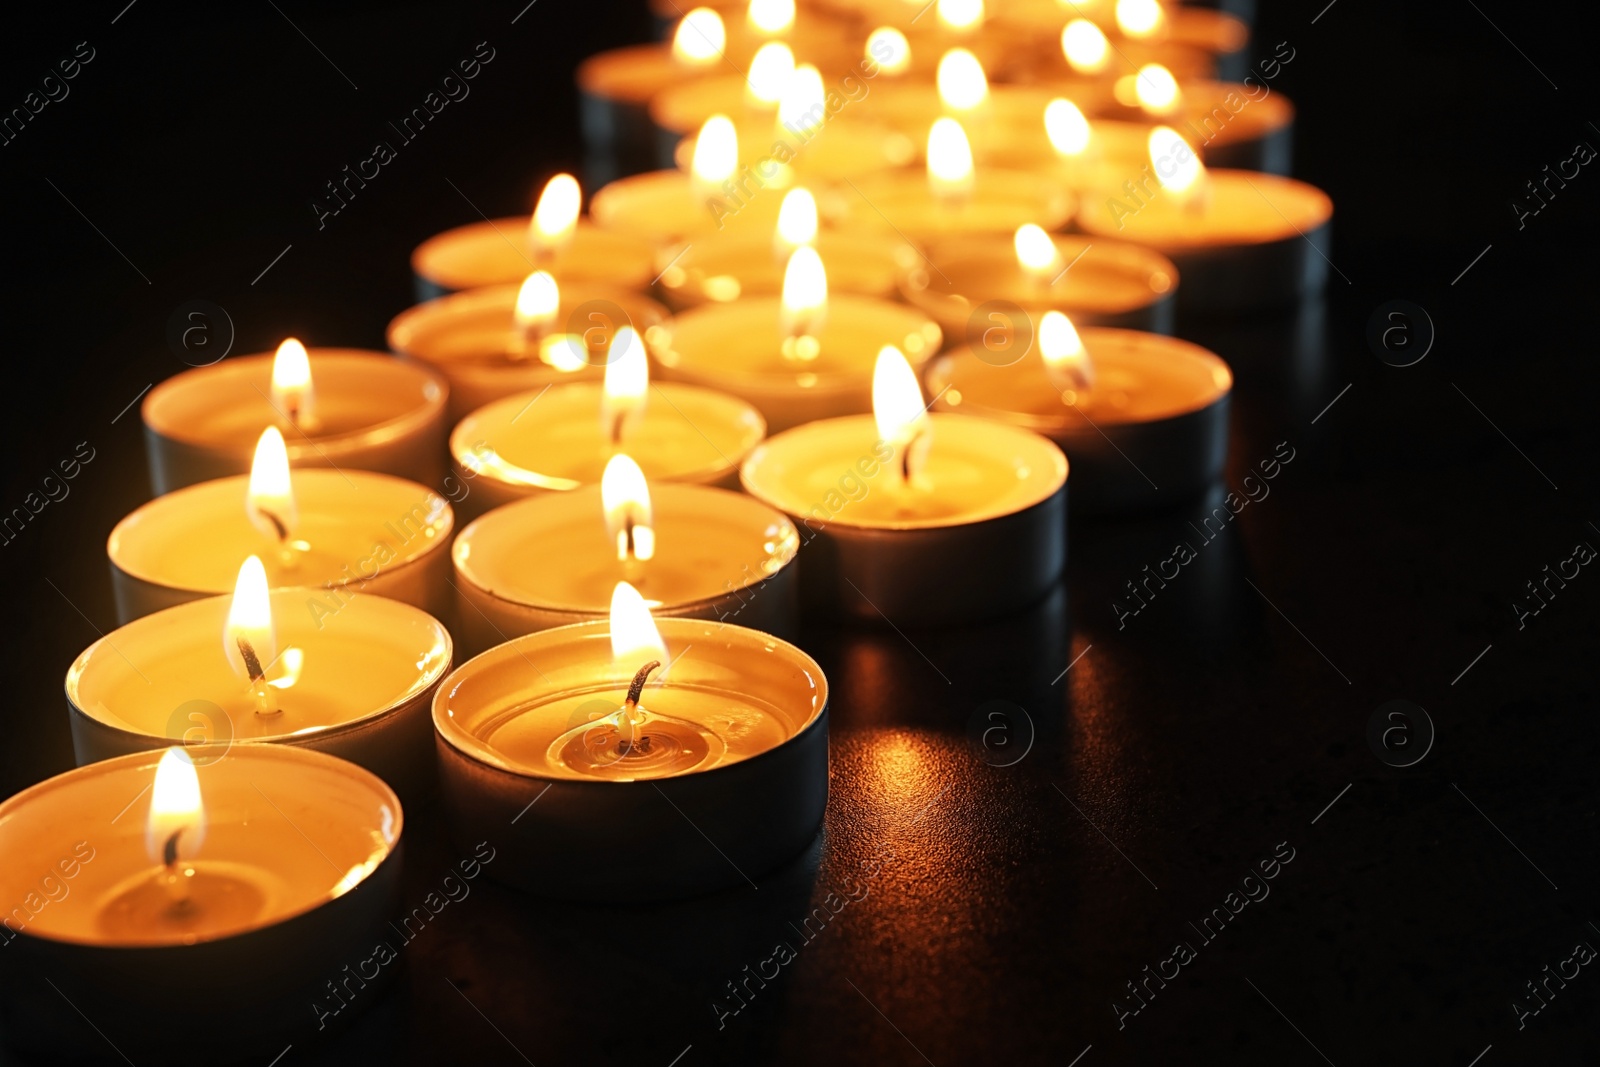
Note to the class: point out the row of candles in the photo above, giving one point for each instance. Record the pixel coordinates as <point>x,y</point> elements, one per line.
<point>859,399</point>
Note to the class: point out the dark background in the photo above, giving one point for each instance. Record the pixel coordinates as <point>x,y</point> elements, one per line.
<point>1221,721</point>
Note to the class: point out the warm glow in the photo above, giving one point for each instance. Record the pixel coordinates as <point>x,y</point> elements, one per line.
<point>771,17</point>
<point>634,637</point>
<point>716,151</point>
<point>269,500</point>
<point>962,84</point>
<point>1177,167</point>
<point>960,16</point>
<point>1085,47</point>
<point>556,216</point>
<point>626,500</point>
<point>805,293</point>
<point>1156,89</point>
<point>770,71</point>
<point>292,393</point>
<point>898,409</point>
<point>1065,360</point>
<point>627,384</point>
<point>249,625</point>
<point>949,160</point>
<point>797,221</point>
<point>700,38</point>
<point>804,105</point>
<point>1139,18</point>
<point>538,302</point>
<point>1066,127</point>
<point>1036,253</point>
<point>175,809</point>
<point>888,47</point>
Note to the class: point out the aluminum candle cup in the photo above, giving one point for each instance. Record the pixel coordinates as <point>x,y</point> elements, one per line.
<point>721,269</point>
<point>551,561</point>
<point>471,339</point>
<point>1251,241</point>
<point>295,872</point>
<point>373,412</point>
<point>981,285</point>
<point>497,252</point>
<point>982,532</point>
<point>553,442</point>
<point>357,531</point>
<point>615,833</point>
<point>358,683</point>
<point>739,347</point>
<point>1151,430</point>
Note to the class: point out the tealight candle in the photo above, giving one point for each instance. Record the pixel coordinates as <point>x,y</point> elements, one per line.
<point>343,530</point>
<point>983,283</point>
<point>1240,239</point>
<point>722,268</point>
<point>199,907</point>
<point>1142,418</point>
<point>919,519</point>
<point>753,97</point>
<point>561,438</point>
<point>345,674</point>
<point>692,552</point>
<point>953,200</point>
<point>504,339</point>
<point>732,735</point>
<point>553,238</point>
<point>337,407</point>
<point>801,356</point>
<point>1236,126</point>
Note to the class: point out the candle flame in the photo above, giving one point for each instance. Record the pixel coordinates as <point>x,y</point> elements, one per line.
<point>797,221</point>
<point>962,83</point>
<point>770,71</point>
<point>1085,46</point>
<point>1139,18</point>
<point>716,152</point>
<point>960,16</point>
<point>269,500</point>
<point>700,38</point>
<point>625,497</point>
<point>555,218</point>
<point>771,18</point>
<point>949,160</point>
<point>888,47</point>
<point>626,386</point>
<point>538,302</point>
<point>897,407</point>
<point>1065,359</point>
<point>805,294</point>
<point>804,106</point>
<point>249,625</point>
<point>292,392</point>
<point>634,637</point>
<point>1066,127</point>
<point>1156,89</point>
<point>1036,253</point>
<point>1176,165</point>
<point>177,814</point>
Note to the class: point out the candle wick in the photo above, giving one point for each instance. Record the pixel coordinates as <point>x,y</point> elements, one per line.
<point>616,428</point>
<point>265,704</point>
<point>628,548</point>
<point>905,456</point>
<point>278,524</point>
<point>169,851</point>
<point>636,689</point>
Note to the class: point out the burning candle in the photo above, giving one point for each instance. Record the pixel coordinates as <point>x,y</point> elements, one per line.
<point>804,355</point>
<point>1142,418</point>
<point>336,407</point>
<point>991,115</point>
<point>924,519</point>
<point>554,239</point>
<point>504,339</point>
<point>722,268</point>
<point>345,674</point>
<point>993,283</point>
<point>344,530</point>
<point>561,438</point>
<point>1233,124</point>
<point>614,716</point>
<point>692,552</point>
<point>198,890</point>
<point>1240,239</point>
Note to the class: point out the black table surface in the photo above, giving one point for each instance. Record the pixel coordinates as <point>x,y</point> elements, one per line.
<point>988,905</point>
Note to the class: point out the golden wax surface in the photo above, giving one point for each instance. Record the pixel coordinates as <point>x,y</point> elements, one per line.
<point>1241,208</point>
<point>499,252</point>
